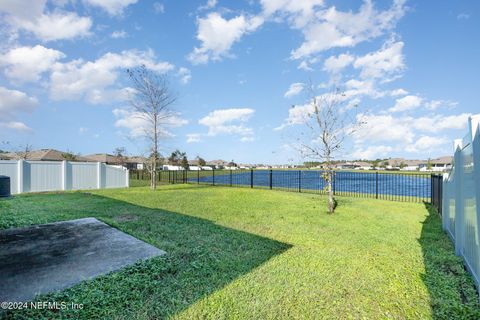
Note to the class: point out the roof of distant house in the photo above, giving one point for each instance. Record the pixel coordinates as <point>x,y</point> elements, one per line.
<point>108,158</point>
<point>217,162</point>
<point>43,155</point>
<point>442,160</point>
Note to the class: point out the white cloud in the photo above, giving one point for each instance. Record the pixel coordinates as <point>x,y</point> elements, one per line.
<point>119,34</point>
<point>158,7</point>
<point>331,28</point>
<point>58,26</point>
<point>193,137</point>
<point>13,101</point>
<point>463,16</point>
<point>217,35</point>
<point>435,104</point>
<point>16,125</point>
<point>398,92</point>
<point>406,103</point>
<point>247,139</point>
<point>388,61</point>
<point>294,89</point>
<point>96,80</point>
<point>436,123</point>
<point>372,152</point>
<point>356,87</point>
<point>185,75</point>
<point>405,133</point>
<point>55,25</point>
<point>209,5</point>
<point>113,7</point>
<point>26,64</point>
<point>427,144</point>
<point>304,66</point>
<point>228,121</point>
<point>383,128</point>
<point>138,126</point>
<point>298,114</point>
<point>335,64</point>
<point>298,12</point>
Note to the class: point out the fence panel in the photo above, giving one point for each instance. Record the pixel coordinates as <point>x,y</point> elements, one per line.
<point>82,175</point>
<point>10,168</point>
<point>42,176</point>
<point>114,176</point>
<point>38,176</point>
<point>461,193</point>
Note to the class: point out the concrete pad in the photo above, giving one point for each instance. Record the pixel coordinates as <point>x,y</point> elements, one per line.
<point>51,257</point>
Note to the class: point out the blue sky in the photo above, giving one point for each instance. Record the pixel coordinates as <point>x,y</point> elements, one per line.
<point>237,68</point>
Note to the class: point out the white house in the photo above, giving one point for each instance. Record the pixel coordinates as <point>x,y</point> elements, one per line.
<point>171,168</point>
<point>438,165</point>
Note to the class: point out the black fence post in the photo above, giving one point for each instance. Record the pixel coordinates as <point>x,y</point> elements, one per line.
<point>198,177</point>
<point>213,177</point>
<point>299,180</point>
<point>271,179</point>
<point>376,185</point>
<point>251,178</point>
<point>231,177</point>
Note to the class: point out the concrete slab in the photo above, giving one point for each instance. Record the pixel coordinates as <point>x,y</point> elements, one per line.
<point>50,257</point>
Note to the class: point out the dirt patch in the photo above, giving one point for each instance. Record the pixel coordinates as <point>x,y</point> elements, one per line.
<point>126,218</point>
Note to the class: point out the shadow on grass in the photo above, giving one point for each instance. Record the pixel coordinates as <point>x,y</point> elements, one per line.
<point>452,290</point>
<point>202,257</point>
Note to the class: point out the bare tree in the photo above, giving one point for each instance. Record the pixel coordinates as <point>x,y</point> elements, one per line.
<point>120,153</point>
<point>151,101</point>
<point>24,152</point>
<point>329,121</point>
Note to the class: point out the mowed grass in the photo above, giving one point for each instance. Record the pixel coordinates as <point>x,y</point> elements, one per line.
<point>236,253</point>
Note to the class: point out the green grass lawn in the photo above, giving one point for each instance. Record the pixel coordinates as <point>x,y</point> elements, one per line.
<point>237,253</point>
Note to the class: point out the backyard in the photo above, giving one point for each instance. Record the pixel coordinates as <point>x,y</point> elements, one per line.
<point>260,254</point>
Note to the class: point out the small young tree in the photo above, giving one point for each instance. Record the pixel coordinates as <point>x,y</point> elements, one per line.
<point>201,161</point>
<point>429,164</point>
<point>69,156</point>
<point>24,152</point>
<point>120,154</point>
<point>151,101</point>
<point>176,157</point>
<point>184,162</point>
<point>329,122</point>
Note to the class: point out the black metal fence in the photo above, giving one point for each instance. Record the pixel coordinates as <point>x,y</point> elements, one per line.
<point>388,185</point>
<point>436,192</point>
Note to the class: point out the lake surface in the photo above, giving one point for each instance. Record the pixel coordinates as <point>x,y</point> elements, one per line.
<point>386,185</point>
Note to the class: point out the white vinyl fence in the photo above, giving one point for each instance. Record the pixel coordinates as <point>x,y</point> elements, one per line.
<point>461,199</point>
<point>37,176</point>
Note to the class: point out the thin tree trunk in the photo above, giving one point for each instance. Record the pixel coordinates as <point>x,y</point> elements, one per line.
<point>331,200</point>
<point>155,154</point>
